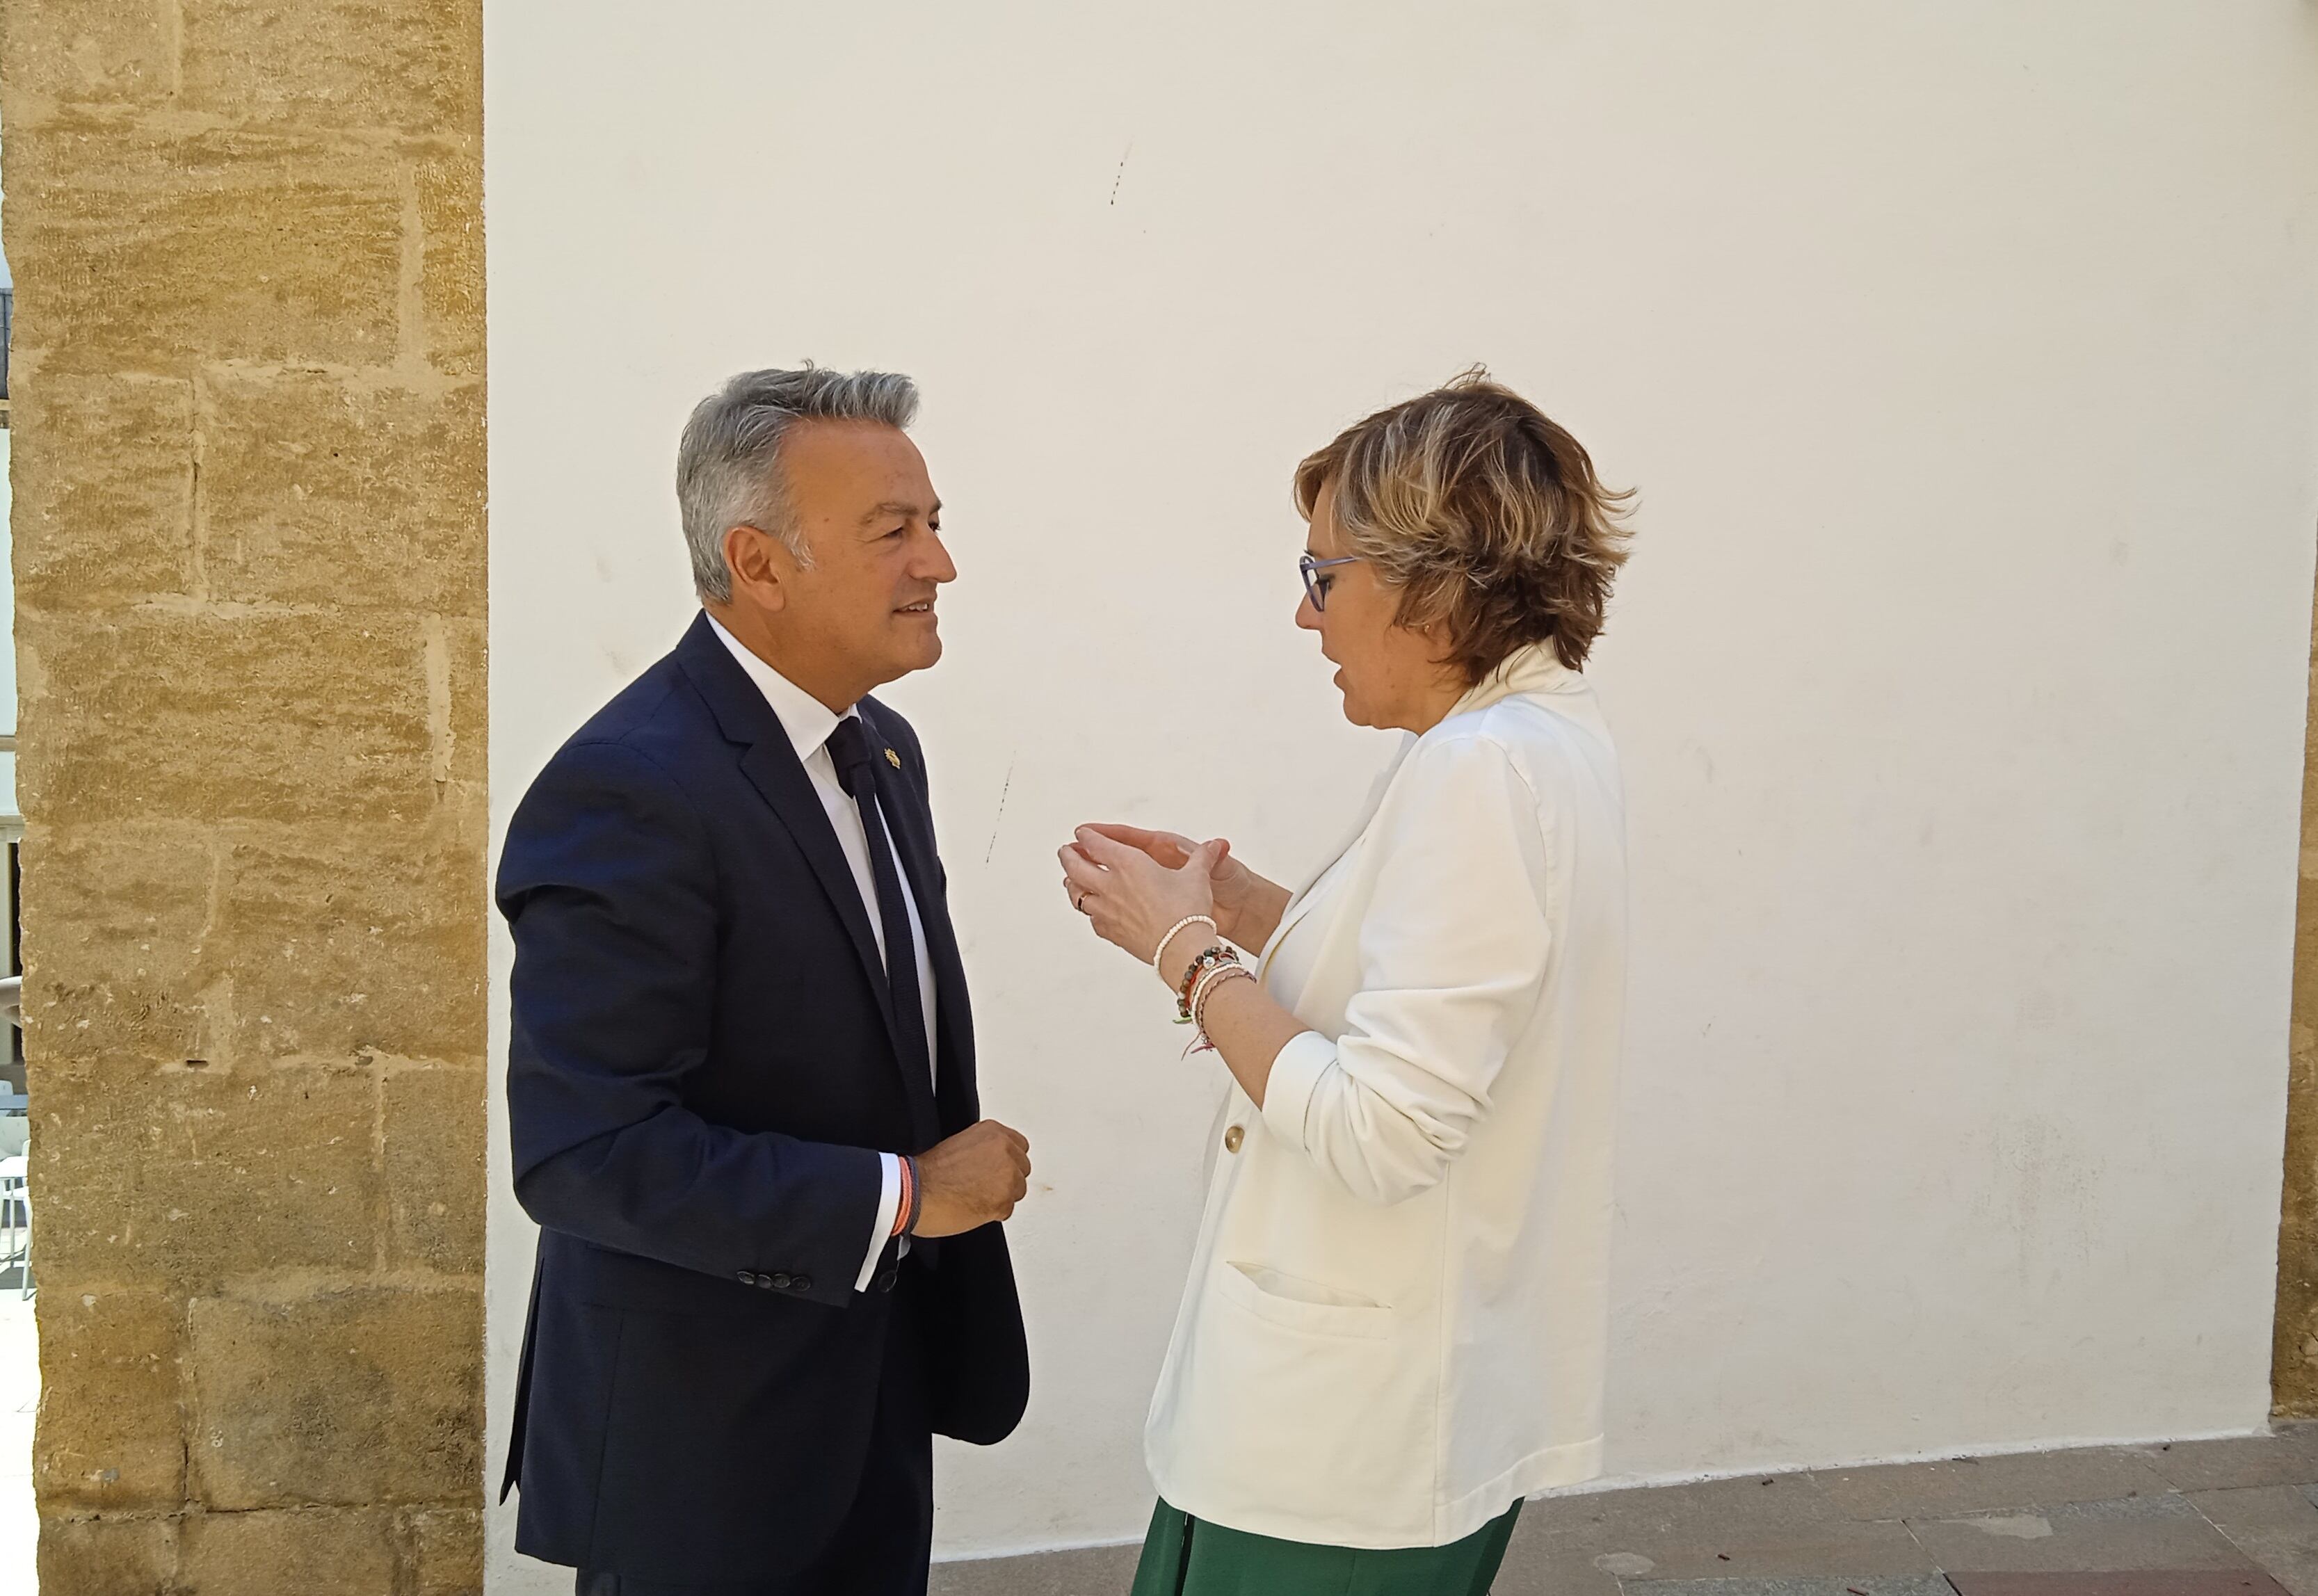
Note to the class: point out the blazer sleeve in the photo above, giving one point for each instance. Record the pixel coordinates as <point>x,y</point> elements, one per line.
<point>608,884</point>
<point>1452,964</point>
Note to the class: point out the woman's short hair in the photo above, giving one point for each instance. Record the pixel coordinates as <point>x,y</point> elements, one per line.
<point>1486,515</point>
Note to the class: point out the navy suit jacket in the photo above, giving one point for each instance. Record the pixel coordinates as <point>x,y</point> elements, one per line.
<point>702,1072</point>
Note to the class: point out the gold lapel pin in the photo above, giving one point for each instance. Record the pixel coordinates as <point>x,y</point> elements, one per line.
<point>895,757</point>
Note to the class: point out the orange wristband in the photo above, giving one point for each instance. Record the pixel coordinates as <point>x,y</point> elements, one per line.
<point>908,1205</point>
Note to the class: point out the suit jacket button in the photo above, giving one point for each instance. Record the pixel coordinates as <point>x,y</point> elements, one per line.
<point>747,1278</point>
<point>801,1282</point>
<point>1233,1138</point>
<point>778,1282</point>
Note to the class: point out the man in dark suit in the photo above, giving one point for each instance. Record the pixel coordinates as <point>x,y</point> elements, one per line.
<point>742,1080</point>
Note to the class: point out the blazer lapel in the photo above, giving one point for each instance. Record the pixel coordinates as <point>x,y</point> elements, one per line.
<point>1534,668</point>
<point>911,825</point>
<point>772,766</point>
<point>1300,904</point>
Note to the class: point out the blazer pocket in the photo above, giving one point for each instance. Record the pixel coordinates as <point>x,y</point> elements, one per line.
<point>1302,1305</point>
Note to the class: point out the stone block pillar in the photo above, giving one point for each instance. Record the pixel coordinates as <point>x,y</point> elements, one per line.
<point>249,557</point>
<point>2294,1358</point>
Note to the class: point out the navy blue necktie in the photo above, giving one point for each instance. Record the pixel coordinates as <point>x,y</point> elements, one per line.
<point>848,748</point>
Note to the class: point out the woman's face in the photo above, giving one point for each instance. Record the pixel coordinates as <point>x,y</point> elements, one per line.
<point>1388,673</point>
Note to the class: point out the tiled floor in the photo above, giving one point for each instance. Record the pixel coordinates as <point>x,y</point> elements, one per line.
<point>2196,1519</point>
<point>2234,1518</point>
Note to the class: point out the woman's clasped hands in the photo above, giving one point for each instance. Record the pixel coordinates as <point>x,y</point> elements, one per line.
<point>1134,884</point>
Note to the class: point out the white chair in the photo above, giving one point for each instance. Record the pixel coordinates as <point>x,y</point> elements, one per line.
<point>16,1135</point>
<point>16,1217</point>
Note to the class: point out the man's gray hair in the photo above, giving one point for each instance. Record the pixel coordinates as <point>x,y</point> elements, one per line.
<point>728,469</point>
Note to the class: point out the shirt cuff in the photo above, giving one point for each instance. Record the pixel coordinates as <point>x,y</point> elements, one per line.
<point>889,1202</point>
<point>1295,1070</point>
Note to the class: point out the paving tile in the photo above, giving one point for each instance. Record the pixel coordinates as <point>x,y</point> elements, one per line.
<point>1952,1487</point>
<point>1088,1571</point>
<point>2274,1525</point>
<point>2289,1456</point>
<point>2142,1532</point>
<point>1720,1530</point>
<point>1921,1584</point>
<point>1540,1564</point>
<point>2208,1582</point>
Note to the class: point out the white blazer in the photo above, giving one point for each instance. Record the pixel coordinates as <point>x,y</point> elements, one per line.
<point>1396,1319</point>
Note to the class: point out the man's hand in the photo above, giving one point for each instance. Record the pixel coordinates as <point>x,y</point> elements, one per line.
<point>975,1178</point>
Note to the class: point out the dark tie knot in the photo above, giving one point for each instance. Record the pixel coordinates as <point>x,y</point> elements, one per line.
<point>848,749</point>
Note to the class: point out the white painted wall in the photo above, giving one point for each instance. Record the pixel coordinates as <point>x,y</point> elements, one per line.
<point>1964,353</point>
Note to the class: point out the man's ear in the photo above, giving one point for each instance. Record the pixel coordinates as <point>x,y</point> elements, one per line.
<point>760,566</point>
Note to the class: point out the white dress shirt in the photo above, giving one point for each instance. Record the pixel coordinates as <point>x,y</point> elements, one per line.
<point>808,722</point>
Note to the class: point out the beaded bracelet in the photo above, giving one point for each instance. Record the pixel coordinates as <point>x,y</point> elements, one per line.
<point>1160,952</point>
<point>1209,959</point>
<point>1216,953</point>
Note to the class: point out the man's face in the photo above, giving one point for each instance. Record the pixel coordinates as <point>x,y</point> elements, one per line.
<point>867,509</point>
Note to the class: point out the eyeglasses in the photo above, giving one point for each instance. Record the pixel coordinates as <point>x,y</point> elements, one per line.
<point>1315,586</point>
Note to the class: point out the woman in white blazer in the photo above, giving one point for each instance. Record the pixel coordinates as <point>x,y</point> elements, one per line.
<point>1394,1327</point>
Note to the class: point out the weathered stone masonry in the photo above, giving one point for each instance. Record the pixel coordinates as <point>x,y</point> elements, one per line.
<point>248,479</point>
<point>2294,1364</point>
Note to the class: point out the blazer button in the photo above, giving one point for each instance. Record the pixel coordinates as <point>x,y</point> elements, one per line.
<point>801,1282</point>
<point>1233,1138</point>
<point>747,1278</point>
<point>778,1282</point>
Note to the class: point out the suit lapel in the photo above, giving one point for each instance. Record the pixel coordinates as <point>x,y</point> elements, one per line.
<point>772,766</point>
<point>911,826</point>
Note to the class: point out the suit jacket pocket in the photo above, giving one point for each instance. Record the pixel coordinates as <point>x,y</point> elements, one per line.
<point>1291,1398</point>
<point>1297,1304</point>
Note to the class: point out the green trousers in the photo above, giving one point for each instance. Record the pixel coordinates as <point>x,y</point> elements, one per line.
<point>1184,1556</point>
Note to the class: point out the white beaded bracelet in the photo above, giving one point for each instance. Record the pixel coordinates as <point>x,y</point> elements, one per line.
<point>1174,930</point>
